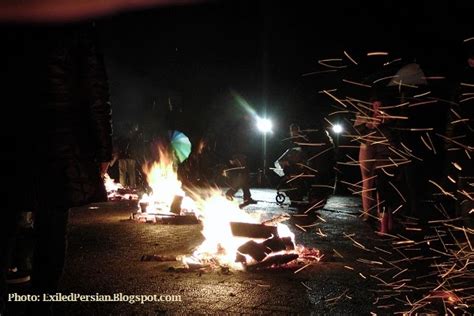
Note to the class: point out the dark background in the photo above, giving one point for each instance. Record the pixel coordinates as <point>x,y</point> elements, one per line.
<point>193,56</point>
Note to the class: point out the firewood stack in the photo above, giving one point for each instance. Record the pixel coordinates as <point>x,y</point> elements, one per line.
<point>262,252</point>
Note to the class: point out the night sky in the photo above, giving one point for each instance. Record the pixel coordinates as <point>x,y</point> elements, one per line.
<point>193,56</point>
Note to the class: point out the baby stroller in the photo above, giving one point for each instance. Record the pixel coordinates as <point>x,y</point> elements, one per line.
<point>307,175</point>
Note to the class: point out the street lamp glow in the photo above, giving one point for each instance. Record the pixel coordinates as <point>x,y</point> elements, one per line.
<point>337,128</point>
<point>264,125</point>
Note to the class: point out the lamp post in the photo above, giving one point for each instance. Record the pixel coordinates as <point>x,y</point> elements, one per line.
<point>264,125</point>
<point>337,129</point>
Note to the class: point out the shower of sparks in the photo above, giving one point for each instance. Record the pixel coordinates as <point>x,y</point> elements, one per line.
<point>392,61</point>
<point>434,78</point>
<point>431,143</point>
<point>377,54</point>
<point>423,103</point>
<point>466,99</point>
<point>384,78</point>
<point>337,253</point>
<point>423,265</point>
<point>398,191</point>
<point>318,72</point>
<point>394,106</point>
<point>357,83</point>
<point>350,58</point>
<point>315,205</point>
<point>325,62</point>
<point>422,94</point>
<point>307,287</point>
<point>425,143</point>
<point>334,98</point>
<point>302,268</point>
<point>338,112</point>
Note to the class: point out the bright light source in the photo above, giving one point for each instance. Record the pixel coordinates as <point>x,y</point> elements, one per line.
<point>337,128</point>
<point>264,125</point>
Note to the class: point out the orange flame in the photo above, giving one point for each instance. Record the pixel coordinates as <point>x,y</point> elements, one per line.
<point>110,185</point>
<point>216,213</point>
<point>163,181</point>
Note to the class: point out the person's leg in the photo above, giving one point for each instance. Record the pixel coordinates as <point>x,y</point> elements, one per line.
<point>245,184</point>
<point>234,183</point>
<point>388,193</point>
<point>123,171</point>
<point>8,237</point>
<point>50,249</point>
<point>131,173</point>
<point>367,165</point>
<point>21,257</point>
<point>386,199</point>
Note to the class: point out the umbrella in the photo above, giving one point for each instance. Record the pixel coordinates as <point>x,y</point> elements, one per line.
<point>410,74</point>
<point>180,144</point>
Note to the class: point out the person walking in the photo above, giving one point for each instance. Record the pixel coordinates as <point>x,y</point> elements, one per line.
<point>239,152</point>
<point>459,140</point>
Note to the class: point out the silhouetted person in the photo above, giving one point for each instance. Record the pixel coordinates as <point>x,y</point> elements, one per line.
<point>240,150</point>
<point>126,159</point>
<point>459,139</point>
<point>377,162</point>
<point>58,90</point>
<point>308,165</point>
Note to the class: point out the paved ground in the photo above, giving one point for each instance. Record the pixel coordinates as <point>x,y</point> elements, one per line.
<point>105,250</point>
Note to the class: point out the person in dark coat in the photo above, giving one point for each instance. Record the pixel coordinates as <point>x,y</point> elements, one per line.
<point>308,165</point>
<point>60,144</point>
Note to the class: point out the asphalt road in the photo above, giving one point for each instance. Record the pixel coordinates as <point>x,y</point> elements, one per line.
<point>105,249</point>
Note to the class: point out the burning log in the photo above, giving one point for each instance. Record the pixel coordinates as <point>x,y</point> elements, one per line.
<point>261,251</point>
<point>255,250</point>
<point>143,206</point>
<point>253,230</point>
<point>276,244</point>
<point>273,260</point>
<point>175,207</point>
<point>240,258</point>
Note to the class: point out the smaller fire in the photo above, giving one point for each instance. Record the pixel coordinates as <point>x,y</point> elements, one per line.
<point>116,191</point>
<point>167,197</point>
